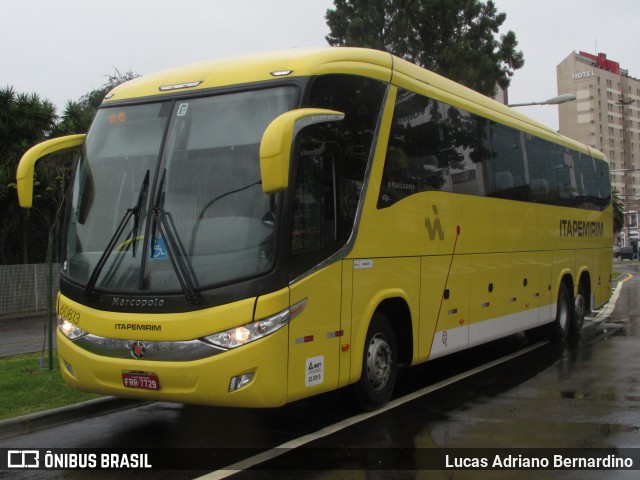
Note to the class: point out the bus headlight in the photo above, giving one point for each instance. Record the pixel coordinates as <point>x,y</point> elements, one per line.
<point>69,330</point>
<point>249,332</point>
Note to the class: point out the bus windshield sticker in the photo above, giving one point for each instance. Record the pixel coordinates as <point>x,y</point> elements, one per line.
<point>182,109</point>
<point>159,249</point>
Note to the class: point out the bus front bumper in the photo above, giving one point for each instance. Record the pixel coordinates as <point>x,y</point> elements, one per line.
<point>254,375</point>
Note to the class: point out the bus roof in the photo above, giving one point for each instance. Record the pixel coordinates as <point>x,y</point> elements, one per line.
<point>259,67</point>
<point>309,62</point>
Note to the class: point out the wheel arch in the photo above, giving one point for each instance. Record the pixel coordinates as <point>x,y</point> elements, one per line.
<point>584,281</point>
<point>395,305</point>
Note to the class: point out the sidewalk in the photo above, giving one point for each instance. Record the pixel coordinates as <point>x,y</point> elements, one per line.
<point>25,333</point>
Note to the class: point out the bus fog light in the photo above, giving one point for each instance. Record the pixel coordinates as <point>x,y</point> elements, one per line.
<point>69,368</point>
<point>240,381</point>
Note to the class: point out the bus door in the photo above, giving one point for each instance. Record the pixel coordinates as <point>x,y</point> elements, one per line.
<point>315,334</point>
<point>318,230</point>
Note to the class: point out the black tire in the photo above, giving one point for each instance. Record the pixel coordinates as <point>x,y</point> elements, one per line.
<point>379,365</point>
<point>559,329</point>
<point>579,310</point>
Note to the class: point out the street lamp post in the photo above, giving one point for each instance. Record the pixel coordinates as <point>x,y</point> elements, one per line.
<point>567,97</point>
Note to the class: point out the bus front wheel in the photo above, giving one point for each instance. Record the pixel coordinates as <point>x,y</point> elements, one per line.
<point>379,365</point>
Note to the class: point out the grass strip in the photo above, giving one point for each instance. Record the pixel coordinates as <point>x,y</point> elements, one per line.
<point>26,388</point>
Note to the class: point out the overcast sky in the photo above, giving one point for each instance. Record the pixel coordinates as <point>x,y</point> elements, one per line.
<point>62,49</point>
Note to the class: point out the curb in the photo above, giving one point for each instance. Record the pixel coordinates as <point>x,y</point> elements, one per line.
<point>33,422</point>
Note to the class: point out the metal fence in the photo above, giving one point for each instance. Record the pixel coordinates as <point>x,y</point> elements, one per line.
<point>23,288</point>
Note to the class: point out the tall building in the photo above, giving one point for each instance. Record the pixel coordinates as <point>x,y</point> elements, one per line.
<point>606,116</point>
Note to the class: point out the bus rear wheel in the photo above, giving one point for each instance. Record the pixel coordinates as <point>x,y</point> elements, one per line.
<point>559,329</point>
<point>579,310</point>
<point>379,365</point>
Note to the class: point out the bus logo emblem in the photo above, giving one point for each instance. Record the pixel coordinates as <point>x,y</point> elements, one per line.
<point>138,350</point>
<point>434,228</point>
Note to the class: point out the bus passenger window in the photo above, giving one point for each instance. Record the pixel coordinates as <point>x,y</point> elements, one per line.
<point>466,136</point>
<point>509,177</point>
<point>414,161</point>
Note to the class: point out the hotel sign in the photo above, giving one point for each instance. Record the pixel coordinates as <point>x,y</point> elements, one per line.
<point>584,74</point>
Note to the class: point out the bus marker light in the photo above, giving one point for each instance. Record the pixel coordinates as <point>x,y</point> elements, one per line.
<point>179,86</point>
<point>305,339</point>
<point>282,73</point>
<point>344,347</point>
<point>461,321</point>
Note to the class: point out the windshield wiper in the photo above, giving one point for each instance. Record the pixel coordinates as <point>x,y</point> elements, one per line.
<point>136,213</point>
<point>135,210</point>
<point>167,230</point>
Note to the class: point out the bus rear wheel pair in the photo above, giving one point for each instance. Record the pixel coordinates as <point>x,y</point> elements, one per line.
<point>570,313</point>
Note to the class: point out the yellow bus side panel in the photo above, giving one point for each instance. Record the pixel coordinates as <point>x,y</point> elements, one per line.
<point>315,335</point>
<point>489,296</point>
<point>444,305</point>
<point>374,281</point>
<point>603,281</point>
<point>347,299</point>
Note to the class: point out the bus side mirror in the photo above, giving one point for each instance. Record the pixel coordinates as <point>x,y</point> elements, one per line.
<point>24,174</point>
<point>275,147</point>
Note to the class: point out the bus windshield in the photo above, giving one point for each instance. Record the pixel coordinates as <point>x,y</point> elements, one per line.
<point>170,192</point>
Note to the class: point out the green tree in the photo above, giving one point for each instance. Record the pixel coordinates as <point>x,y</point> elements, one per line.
<point>618,212</point>
<point>77,115</point>
<point>455,38</point>
<point>25,119</point>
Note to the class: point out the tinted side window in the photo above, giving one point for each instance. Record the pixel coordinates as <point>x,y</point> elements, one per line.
<point>330,168</point>
<point>509,178</point>
<point>543,164</point>
<point>414,161</point>
<point>436,146</point>
<point>466,150</point>
<point>433,146</point>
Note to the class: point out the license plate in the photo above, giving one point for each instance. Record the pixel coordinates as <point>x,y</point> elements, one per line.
<point>142,380</point>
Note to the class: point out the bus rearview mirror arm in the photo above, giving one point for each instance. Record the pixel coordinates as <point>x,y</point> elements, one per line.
<point>24,174</point>
<point>275,147</point>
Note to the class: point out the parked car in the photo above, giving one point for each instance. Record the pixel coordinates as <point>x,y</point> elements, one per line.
<point>622,253</point>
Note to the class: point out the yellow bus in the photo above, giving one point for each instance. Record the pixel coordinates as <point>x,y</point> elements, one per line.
<point>253,231</point>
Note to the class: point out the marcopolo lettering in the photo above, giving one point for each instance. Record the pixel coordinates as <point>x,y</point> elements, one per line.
<point>581,228</point>
<point>138,302</point>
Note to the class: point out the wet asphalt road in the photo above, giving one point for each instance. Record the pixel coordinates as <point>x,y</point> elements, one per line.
<point>582,394</point>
